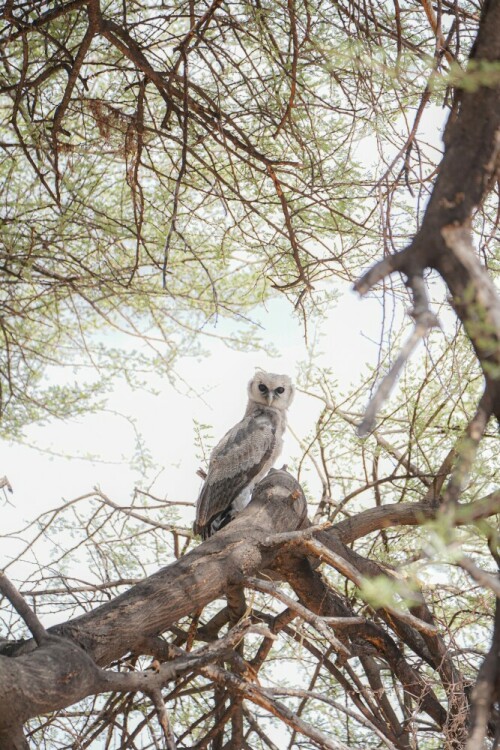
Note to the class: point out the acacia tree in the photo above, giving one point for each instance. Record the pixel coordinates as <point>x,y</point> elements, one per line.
<point>155,157</point>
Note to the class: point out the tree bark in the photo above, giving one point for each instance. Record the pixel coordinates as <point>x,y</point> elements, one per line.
<point>467,172</point>
<point>64,668</point>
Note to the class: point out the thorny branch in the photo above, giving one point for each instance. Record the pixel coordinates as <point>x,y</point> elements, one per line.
<point>268,536</point>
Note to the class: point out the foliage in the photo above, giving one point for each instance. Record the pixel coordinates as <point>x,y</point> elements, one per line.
<point>148,170</point>
<point>166,167</point>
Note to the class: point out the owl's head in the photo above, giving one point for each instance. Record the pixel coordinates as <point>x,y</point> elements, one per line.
<point>271,390</point>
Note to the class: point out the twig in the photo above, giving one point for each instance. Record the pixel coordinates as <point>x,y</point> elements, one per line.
<point>397,262</point>
<point>157,700</point>
<point>424,321</point>
<point>467,448</point>
<point>182,170</point>
<point>308,694</point>
<point>291,537</point>
<point>293,73</point>
<point>19,603</point>
<point>255,725</point>
<point>306,614</point>
<point>4,482</point>
<point>302,275</point>
<point>140,517</point>
<point>441,43</point>
<point>349,571</point>
<point>260,697</point>
<point>488,580</point>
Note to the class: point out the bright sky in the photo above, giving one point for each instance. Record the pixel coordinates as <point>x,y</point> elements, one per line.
<point>53,463</point>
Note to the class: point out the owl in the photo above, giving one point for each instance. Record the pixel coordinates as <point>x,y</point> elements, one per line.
<point>245,454</point>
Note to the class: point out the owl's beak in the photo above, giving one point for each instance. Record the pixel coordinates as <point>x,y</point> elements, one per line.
<point>270,397</point>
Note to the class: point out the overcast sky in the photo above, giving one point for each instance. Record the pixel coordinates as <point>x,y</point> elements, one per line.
<point>54,462</point>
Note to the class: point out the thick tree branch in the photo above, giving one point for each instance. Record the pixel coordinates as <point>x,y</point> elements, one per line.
<point>240,550</point>
<point>424,321</point>
<point>486,690</point>
<point>412,514</point>
<point>18,602</point>
<point>466,174</point>
<point>319,623</point>
<point>201,576</point>
<point>314,594</point>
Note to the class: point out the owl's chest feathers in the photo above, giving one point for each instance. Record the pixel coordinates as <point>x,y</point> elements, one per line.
<point>262,417</point>
<point>267,418</point>
<point>266,415</point>
<point>260,431</point>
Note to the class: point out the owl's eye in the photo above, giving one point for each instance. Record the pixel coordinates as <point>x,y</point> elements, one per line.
<point>280,389</point>
<point>263,388</point>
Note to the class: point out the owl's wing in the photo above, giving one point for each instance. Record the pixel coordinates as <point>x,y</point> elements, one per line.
<point>235,461</point>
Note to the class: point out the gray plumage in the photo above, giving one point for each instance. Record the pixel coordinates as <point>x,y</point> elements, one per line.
<point>245,454</point>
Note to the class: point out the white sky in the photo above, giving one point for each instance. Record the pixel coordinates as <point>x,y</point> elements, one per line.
<point>53,463</point>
